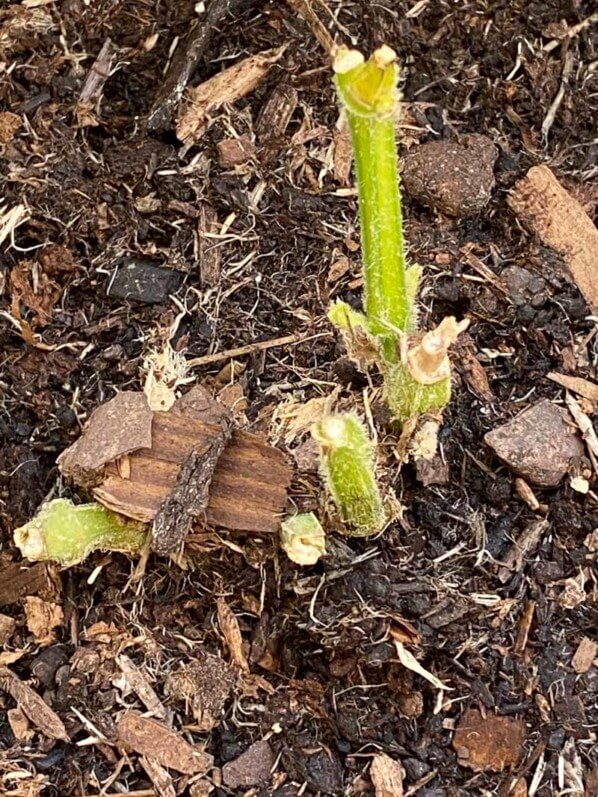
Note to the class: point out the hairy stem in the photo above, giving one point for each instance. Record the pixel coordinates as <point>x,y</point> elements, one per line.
<point>368,92</point>
<point>348,469</point>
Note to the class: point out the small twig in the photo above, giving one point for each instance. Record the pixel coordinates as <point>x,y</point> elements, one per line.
<point>568,62</point>
<point>305,10</point>
<point>249,348</point>
<point>186,59</point>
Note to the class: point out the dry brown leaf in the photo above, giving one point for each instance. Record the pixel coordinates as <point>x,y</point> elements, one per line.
<point>584,656</point>
<point>40,714</point>
<point>229,625</point>
<point>387,776</point>
<point>583,387</point>
<point>408,660</point>
<point>32,288</point>
<point>166,748</point>
<point>226,87</point>
<point>43,618</point>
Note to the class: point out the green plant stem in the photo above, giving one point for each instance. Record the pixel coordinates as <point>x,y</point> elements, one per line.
<point>65,533</point>
<point>386,301</point>
<point>369,95</point>
<point>347,467</point>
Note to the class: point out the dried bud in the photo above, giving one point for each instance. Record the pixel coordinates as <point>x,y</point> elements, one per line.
<point>428,361</point>
<point>303,539</point>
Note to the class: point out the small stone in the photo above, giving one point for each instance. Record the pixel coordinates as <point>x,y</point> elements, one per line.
<point>251,768</point>
<point>524,286</point>
<point>488,743</point>
<point>539,444</point>
<point>415,768</point>
<point>143,282</point>
<point>456,178</point>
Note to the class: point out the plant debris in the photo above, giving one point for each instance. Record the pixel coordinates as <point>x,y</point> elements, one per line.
<point>387,776</point>
<point>251,768</point>
<point>488,743</point>
<point>154,741</point>
<point>456,178</point>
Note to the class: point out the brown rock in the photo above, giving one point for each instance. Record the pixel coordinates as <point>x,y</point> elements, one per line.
<point>539,444</point>
<point>456,178</point>
<point>488,743</point>
<point>250,768</point>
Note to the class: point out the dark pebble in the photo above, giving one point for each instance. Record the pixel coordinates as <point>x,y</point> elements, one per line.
<point>46,664</point>
<point>414,768</point>
<point>53,759</point>
<point>138,280</point>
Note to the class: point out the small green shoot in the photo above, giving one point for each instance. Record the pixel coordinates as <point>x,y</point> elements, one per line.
<point>65,533</point>
<point>369,95</point>
<point>347,464</point>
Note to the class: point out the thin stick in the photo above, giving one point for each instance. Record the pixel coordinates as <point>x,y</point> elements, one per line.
<point>261,345</point>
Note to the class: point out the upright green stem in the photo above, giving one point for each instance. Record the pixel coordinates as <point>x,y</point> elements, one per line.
<point>369,95</point>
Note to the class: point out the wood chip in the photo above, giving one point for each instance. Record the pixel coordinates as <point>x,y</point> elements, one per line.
<point>43,618</point>
<point>159,777</point>
<point>525,625</point>
<point>93,87</point>
<point>118,427</point>
<point>342,158</point>
<point>488,743</point>
<point>31,704</point>
<point>387,776</point>
<point>576,384</point>
<point>584,656</point>
<point>561,223</point>
<point>525,545</point>
<point>151,739</point>
<point>190,496</point>
<point>209,249</point>
<point>274,119</point>
<point>235,151</point>
<point>18,580</point>
<point>7,628</point>
<point>141,686</point>
<point>248,491</point>
<point>226,87</point>
<point>229,625</point>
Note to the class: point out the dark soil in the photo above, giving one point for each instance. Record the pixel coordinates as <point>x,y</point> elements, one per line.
<point>332,690</point>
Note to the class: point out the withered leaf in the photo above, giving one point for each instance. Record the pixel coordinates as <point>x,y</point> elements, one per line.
<point>488,743</point>
<point>229,625</point>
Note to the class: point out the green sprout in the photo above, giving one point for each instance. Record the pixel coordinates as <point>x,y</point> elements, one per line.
<point>65,533</point>
<point>347,464</point>
<point>369,95</point>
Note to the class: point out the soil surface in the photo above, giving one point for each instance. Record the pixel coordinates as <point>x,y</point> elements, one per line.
<point>313,690</point>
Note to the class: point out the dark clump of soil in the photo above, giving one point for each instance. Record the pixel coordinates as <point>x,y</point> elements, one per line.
<point>104,262</point>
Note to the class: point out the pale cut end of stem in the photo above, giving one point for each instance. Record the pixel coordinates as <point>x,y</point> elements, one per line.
<point>303,539</point>
<point>384,56</point>
<point>347,466</point>
<point>65,533</point>
<point>428,361</point>
<point>345,59</point>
